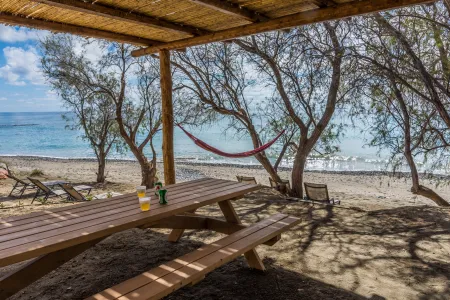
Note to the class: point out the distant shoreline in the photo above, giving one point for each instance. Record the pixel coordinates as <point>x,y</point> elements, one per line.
<point>182,162</point>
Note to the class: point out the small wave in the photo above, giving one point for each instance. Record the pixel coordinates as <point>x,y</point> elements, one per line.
<point>17,125</point>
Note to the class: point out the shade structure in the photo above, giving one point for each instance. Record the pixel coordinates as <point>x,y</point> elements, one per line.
<point>173,24</point>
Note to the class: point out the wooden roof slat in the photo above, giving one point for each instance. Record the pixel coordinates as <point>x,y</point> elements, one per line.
<point>122,15</point>
<point>324,3</point>
<point>74,29</point>
<point>330,13</point>
<point>232,9</point>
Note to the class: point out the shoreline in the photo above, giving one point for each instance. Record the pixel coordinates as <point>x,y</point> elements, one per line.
<point>182,162</point>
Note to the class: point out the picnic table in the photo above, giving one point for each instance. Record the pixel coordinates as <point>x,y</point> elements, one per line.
<point>52,237</point>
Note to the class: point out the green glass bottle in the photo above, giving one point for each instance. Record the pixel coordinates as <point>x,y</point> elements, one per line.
<point>162,196</point>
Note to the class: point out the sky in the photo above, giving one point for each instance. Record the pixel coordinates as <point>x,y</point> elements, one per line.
<point>22,84</point>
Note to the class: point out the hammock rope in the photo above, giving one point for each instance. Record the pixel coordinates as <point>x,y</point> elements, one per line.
<point>209,148</point>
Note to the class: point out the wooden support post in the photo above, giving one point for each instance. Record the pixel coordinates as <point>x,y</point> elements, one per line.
<point>175,235</point>
<point>167,117</point>
<point>231,216</point>
<point>39,267</point>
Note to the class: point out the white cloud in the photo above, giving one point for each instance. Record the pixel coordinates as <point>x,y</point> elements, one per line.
<point>92,49</point>
<point>22,66</point>
<point>3,98</point>
<point>12,34</point>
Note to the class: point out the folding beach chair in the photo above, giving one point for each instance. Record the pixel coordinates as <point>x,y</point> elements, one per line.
<point>46,192</point>
<point>21,186</point>
<point>248,180</point>
<point>319,193</point>
<point>73,193</point>
<point>283,186</point>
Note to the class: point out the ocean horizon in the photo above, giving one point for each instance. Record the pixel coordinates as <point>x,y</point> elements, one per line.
<point>44,134</point>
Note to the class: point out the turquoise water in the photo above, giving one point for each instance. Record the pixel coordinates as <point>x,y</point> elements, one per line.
<point>44,134</point>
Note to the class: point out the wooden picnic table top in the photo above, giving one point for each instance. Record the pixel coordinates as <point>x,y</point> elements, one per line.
<point>27,236</point>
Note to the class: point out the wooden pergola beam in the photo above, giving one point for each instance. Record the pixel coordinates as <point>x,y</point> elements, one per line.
<point>233,9</point>
<point>121,15</point>
<point>336,12</point>
<point>73,29</point>
<point>324,3</point>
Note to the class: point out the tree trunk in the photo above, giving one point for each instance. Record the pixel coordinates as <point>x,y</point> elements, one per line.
<point>421,190</point>
<point>101,161</point>
<point>148,175</point>
<point>430,194</point>
<point>297,173</point>
<point>101,171</point>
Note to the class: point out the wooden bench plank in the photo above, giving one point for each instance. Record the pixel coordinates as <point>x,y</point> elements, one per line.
<point>191,267</point>
<point>94,214</point>
<point>68,239</point>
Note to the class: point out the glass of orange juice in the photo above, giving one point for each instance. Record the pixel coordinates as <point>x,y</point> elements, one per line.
<point>141,190</point>
<point>144,203</point>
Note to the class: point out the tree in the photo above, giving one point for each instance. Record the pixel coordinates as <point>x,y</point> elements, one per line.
<point>89,111</point>
<point>406,66</point>
<point>217,77</point>
<point>307,69</point>
<point>131,87</point>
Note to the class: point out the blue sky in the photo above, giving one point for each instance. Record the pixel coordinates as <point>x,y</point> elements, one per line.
<point>22,85</point>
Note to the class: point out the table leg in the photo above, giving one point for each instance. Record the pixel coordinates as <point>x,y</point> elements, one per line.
<point>39,267</point>
<point>252,257</point>
<point>175,234</point>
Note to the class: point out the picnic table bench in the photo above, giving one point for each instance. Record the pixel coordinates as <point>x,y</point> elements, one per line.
<point>52,237</point>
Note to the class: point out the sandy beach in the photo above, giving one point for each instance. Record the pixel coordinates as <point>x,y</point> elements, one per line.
<point>364,190</point>
<point>381,243</point>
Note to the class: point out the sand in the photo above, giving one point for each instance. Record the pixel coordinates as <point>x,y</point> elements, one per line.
<point>381,243</point>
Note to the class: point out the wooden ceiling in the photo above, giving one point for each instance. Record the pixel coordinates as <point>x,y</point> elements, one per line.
<point>175,24</point>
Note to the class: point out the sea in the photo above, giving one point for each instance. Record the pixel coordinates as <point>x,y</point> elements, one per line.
<point>44,134</point>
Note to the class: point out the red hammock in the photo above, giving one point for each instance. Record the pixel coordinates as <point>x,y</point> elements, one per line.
<point>209,148</point>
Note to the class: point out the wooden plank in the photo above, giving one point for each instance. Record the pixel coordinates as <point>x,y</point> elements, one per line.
<point>39,267</point>
<point>232,9</point>
<point>10,221</point>
<point>51,244</point>
<point>324,3</point>
<point>339,11</point>
<point>172,266</point>
<point>175,234</point>
<point>16,238</point>
<point>252,257</point>
<point>167,117</point>
<point>115,13</point>
<point>163,286</point>
<point>74,29</point>
<point>85,210</point>
<point>229,213</point>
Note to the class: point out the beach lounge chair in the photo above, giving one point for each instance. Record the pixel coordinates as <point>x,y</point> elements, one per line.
<point>283,186</point>
<point>319,193</point>
<point>73,193</point>
<point>248,180</point>
<point>21,185</point>
<point>47,192</point>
